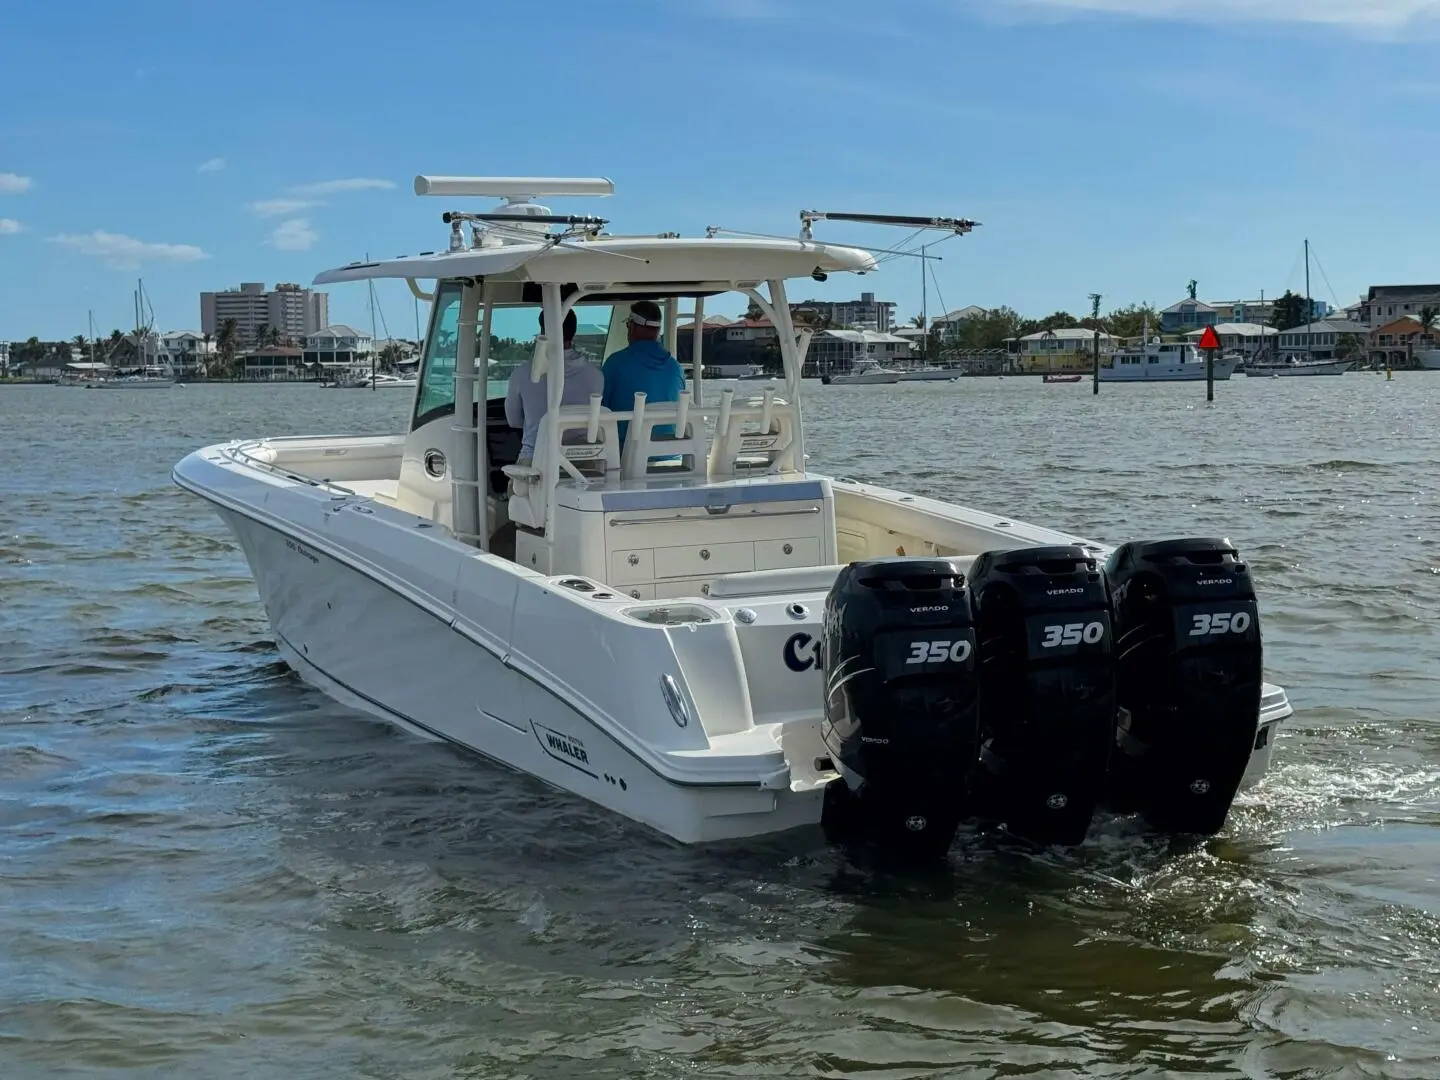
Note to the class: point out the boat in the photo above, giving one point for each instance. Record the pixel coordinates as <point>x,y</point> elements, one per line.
<point>383,381</point>
<point>694,630</point>
<point>929,374</point>
<point>1294,365</point>
<point>1057,378</point>
<point>863,372</point>
<point>1427,359</point>
<point>144,376</point>
<point>1162,361</point>
<point>1266,365</point>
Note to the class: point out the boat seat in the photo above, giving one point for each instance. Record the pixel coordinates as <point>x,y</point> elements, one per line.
<point>756,435</point>
<point>589,454</point>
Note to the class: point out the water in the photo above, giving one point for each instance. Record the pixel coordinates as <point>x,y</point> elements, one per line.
<point>210,870</point>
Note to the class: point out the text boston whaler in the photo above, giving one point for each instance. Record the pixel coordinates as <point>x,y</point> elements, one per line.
<point>693,629</point>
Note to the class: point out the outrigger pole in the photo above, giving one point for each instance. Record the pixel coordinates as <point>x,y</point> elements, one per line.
<point>958,226</point>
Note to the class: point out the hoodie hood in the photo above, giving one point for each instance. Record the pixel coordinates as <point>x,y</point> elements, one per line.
<point>652,354</point>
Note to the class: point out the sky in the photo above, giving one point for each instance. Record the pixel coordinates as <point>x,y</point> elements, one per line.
<point>1115,146</point>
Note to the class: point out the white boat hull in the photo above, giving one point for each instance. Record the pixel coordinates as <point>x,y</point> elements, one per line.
<point>134,384</point>
<point>1181,373</point>
<point>383,611</point>
<point>868,379</point>
<point>1428,359</point>
<point>1317,367</point>
<point>930,375</point>
<point>364,643</point>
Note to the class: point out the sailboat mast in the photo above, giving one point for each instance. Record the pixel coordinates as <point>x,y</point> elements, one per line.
<point>924,311</point>
<point>1309,306</point>
<point>372,329</point>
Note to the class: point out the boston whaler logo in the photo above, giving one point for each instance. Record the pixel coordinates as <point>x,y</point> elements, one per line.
<point>563,747</point>
<point>800,652</point>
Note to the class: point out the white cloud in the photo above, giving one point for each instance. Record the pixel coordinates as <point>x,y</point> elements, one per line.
<point>1369,15</point>
<point>125,252</point>
<point>276,207</point>
<point>294,235</point>
<point>215,164</point>
<point>330,187</point>
<point>11,184</point>
<point>9,226</point>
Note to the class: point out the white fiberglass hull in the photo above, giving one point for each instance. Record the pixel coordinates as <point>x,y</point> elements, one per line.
<point>874,378</point>
<point>1428,359</point>
<point>384,612</point>
<point>1318,367</point>
<point>930,375</point>
<point>1183,373</point>
<point>134,384</point>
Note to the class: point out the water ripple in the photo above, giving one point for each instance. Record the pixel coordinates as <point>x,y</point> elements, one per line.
<point>213,870</point>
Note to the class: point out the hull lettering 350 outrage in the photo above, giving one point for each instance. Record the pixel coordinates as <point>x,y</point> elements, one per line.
<point>693,629</point>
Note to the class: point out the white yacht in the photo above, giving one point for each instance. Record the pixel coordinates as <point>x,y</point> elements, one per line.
<point>683,623</point>
<point>1163,361</point>
<point>1428,359</point>
<point>864,372</point>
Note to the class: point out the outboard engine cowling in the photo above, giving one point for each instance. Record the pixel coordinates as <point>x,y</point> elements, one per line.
<point>1047,689</point>
<point>1187,629</point>
<point>898,653</point>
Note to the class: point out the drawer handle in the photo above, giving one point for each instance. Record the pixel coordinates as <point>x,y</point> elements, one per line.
<point>704,553</point>
<point>788,550</point>
<point>633,560</point>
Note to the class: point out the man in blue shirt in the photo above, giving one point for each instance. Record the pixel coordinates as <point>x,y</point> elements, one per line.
<point>642,366</point>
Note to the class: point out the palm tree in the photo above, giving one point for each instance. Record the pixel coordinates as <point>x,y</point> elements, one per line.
<point>391,355</point>
<point>1428,315</point>
<point>225,343</point>
<point>917,321</point>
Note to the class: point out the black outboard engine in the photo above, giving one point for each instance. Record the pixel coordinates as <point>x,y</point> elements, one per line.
<point>1187,629</point>
<point>898,652</point>
<point>1047,690</point>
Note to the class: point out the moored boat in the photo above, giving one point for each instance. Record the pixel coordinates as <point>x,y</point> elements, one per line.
<point>1163,361</point>
<point>863,372</point>
<point>1293,365</point>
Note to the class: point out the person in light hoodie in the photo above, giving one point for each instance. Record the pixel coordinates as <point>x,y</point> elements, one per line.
<point>526,401</point>
<point>643,365</point>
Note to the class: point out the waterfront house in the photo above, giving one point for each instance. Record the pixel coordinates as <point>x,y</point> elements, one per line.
<point>1246,338</point>
<point>1069,349</point>
<point>1188,315</point>
<point>1326,339</point>
<point>1385,303</point>
<point>275,363</point>
<point>1396,341</point>
<point>338,347</point>
<point>947,327</point>
<point>184,352</point>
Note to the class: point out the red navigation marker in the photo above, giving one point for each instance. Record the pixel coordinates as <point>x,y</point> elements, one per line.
<point>1209,339</point>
